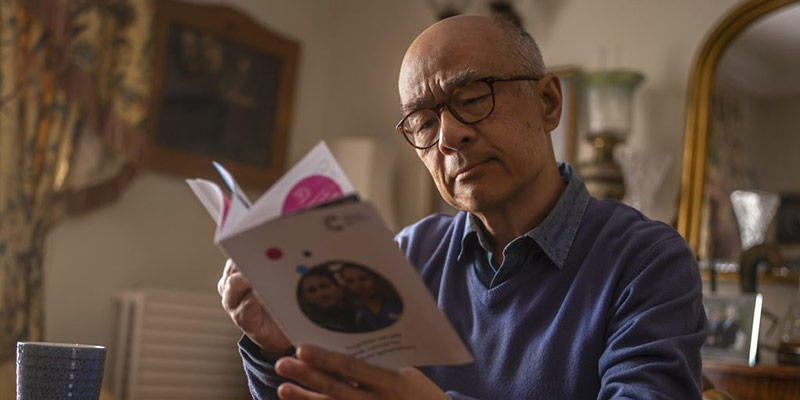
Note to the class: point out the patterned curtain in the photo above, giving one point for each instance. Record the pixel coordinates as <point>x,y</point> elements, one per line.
<point>69,69</point>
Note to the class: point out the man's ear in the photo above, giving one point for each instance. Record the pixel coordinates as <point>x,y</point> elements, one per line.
<point>550,92</point>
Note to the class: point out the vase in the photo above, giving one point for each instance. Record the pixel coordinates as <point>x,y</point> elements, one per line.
<point>644,172</point>
<point>754,210</point>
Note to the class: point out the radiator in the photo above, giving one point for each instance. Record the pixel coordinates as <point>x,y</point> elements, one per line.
<point>174,345</point>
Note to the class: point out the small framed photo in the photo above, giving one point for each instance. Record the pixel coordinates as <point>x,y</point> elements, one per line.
<point>732,329</point>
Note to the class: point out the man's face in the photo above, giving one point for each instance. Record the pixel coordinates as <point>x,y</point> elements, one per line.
<point>481,166</point>
<point>321,291</point>
<point>360,282</point>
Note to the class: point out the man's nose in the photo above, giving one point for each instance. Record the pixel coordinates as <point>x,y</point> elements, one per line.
<point>453,134</point>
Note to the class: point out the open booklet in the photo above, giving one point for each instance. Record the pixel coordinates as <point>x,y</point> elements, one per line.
<point>327,268</point>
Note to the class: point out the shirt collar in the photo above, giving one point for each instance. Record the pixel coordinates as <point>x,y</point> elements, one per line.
<point>556,233</point>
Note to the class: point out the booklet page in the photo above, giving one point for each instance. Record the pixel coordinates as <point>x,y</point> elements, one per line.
<point>315,179</point>
<point>328,269</point>
<point>334,277</point>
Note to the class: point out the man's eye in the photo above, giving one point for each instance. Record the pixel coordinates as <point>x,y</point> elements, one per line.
<point>472,101</point>
<point>427,124</point>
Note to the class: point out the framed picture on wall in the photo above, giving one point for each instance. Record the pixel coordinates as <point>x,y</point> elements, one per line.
<point>732,330</point>
<point>223,88</point>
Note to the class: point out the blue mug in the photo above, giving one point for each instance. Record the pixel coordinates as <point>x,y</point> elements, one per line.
<point>48,371</point>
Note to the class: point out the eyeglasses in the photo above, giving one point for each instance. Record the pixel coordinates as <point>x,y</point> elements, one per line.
<point>470,104</point>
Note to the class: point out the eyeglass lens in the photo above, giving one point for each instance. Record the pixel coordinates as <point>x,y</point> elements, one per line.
<point>469,104</point>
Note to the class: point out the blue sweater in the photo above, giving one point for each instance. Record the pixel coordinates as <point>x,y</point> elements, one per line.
<point>611,309</point>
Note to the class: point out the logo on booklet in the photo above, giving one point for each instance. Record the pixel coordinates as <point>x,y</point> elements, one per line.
<point>333,223</point>
<point>337,223</point>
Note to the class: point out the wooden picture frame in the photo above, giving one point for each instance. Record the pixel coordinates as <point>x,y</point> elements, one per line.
<point>223,90</point>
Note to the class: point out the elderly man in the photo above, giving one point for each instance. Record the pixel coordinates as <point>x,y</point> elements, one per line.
<point>557,294</point>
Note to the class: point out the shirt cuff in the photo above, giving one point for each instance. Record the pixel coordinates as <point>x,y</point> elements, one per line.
<point>260,370</point>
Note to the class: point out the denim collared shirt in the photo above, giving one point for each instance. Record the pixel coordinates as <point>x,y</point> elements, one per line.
<point>552,238</point>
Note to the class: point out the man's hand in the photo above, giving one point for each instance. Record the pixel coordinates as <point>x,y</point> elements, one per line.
<point>338,376</point>
<point>246,311</point>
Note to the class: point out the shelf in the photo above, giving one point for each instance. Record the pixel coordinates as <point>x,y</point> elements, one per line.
<point>734,277</point>
<point>759,370</point>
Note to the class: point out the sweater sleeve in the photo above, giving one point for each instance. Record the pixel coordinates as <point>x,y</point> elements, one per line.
<point>458,396</point>
<point>262,379</point>
<point>656,329</point>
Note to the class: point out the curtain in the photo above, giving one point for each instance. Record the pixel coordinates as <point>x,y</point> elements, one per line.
<point>69,70</point>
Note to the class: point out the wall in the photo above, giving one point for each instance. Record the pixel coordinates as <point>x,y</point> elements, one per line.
<point>157,235</point>
<point>777,138</point>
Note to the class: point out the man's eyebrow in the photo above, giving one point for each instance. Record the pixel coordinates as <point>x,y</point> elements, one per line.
<point>459,80</point>
<point>448,85</point>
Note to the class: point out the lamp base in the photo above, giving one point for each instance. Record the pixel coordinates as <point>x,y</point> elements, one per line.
<point>602,175</point>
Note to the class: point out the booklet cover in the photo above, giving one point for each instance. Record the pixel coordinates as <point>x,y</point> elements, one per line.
<point>331,275</point>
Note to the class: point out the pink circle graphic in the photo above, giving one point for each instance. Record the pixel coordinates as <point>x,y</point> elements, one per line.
<point>311,191</point>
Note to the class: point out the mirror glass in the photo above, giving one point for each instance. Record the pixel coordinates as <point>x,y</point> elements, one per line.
<point>754,148</point>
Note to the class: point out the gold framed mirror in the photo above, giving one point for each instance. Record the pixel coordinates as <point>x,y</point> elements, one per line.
<point>748,64</point>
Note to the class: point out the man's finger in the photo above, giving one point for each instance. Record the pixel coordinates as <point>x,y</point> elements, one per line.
<point>290,391</point>
<point>236,288</point>
<point>345,366</point>
<point>224,277</point>
<point>323,382</point>
<point>230,267</point>
<point>244,310</point>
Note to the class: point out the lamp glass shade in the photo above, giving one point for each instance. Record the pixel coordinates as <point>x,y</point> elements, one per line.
<point>608,100</point>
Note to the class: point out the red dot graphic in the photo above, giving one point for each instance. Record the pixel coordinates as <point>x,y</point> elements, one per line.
<point>274,253</point>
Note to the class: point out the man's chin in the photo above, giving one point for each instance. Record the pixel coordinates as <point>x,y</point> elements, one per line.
<point>476,202</point>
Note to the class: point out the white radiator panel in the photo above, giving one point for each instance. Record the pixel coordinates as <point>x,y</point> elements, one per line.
<point>173,345</point>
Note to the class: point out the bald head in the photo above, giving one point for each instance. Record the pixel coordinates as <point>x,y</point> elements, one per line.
<point>473,41</point>
<point>490,72</point>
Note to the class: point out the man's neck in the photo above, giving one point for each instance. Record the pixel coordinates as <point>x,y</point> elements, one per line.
<point>521,213</point>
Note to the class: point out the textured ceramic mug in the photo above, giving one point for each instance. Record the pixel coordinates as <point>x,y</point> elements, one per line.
<point>60,371</point>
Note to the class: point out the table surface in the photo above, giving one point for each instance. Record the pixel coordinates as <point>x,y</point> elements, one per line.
<point>760,382</point>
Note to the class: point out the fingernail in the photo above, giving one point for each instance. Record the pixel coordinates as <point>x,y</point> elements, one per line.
<point>284,365</point>
<point>284,390</point>
<point>305,351</point>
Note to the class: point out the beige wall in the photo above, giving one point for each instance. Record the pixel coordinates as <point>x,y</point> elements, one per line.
<point>776,138</point>
<point>157,234</point>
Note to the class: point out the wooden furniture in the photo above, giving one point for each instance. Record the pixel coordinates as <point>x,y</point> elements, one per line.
<point>762,382</point>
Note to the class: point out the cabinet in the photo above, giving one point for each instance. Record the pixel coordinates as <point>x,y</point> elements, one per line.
<point>762,382</point>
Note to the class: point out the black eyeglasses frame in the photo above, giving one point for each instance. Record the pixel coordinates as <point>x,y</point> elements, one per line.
<point>490,80</point>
